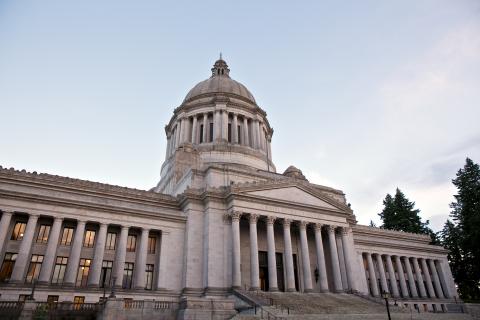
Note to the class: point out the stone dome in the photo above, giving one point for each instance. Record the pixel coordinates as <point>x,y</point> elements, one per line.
<point>294,172</point>
<point>220,82</point>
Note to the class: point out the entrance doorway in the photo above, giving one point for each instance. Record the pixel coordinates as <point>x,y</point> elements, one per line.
<point>263,270</point>
<point>295,271</point>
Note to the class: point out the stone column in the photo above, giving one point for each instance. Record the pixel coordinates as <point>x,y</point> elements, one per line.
<point>225,125</point>
<point>436,280</point>
<point>50,254</point>
<point>74,258</point>
<point>235,137</point>
<point>443,279</point>
<point>372,276</point>
<point>418,273</point>
<point>194,130</point>
<point>381,271</point>
<point>307,273</point>
<point>236,258</point>
<point>188,129</point>
<point>161,266</point>
<point>256,142</point>
<point>4,224</point>
<point>411,279</point>
<point>217,126</point>
<point>24,251</point>
<point>182,131</point>
<point>254,268</point>
<point>322,270</point>
<point>337,279</point>
<point>177,134</point>
<point>269,147</point>
<point>272,259</point>
<point>205,127</point>
<point>401,277</point>
<point>428,280</point>
<point>349,255</point>
<point>120,253</point>
<point>288,256</point>
<point>96,269</point>
<point>246,139</point>
<point>167,153</point>
<point>141,260</point>
<point>393,279</point>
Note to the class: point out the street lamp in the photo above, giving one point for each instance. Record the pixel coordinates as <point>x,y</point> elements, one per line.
<point>386,295</point>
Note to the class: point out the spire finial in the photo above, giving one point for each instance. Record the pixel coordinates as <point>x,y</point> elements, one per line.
<point>220,55</point>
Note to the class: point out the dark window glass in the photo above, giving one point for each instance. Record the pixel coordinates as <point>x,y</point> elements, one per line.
<point>34,268</point>
<point>89,240</point>
<point>201,133</point>
<point>18,231</point>
<point>111,241</point>
<point>83,270</point>
<point>240,138</point>
<point>106,273</point>
<point>211,132</point>
<point>131,243</point>
<point>51,299</point>
<point>149,276</point>
<point>7,266</point>
<point>127,275</point>
<point>67,236</point>
<point>43,233</point>
<point>152,243</point>
<point>229,132</point>
<point>59,270</point>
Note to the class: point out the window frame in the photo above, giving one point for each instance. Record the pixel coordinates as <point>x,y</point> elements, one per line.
<point>18,232</point>
<point>83,272</point>
<point>89,238</point>
<point>111,237</point>
<point>131,239</point>
<point>42,237</point>
<point>66,239</point>
<point>34,268</point>
<point>61,267</point>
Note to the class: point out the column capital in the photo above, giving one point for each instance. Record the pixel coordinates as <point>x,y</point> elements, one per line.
<point>58,218</point>
<point>271,220</point>
<point>331,229</point>
<point>287,222</point>
<point>303,224</point>
<point>226,218</point>
<point>253,218</point>
<point>34,215</point>
<point>318,226</point>
<point>125,227</point>
<point>346,230</point>
<point>9,212</point>
<point>235,215</point>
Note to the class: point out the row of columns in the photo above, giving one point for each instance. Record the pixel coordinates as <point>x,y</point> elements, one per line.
<point>187,129</point>
<point>23,255</point>
<point>289,266</point>
<point>436,286</point>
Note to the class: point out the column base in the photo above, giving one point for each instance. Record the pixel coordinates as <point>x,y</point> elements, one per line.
<point>254,289</point>
<point>93,285</point>
<point>324,291</point>
<point>237,287</point>
<point>42,283</point>
<point>272,289</point>
<point>68,285</point>
<point>308,290</point>
<point>291,290</point>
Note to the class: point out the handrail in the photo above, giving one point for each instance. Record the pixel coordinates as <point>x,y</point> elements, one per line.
<point>258,308</point>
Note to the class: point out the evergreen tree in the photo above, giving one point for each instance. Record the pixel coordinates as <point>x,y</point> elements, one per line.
<point>462,237</point>
<point>400,214</point>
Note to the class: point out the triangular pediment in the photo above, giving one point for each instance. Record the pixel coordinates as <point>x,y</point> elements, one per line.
<point>292,194</point>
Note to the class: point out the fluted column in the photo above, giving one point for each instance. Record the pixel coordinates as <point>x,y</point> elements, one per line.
<point>236,258</point>
<point>254,268</point>
<point>194,129</point>
<point>443,278</point>
<point>288,255</point>
<point>162,262</point>
<point>372,276</point>
<point>272,259</point>
<point>120,254</point>
<point>235,137</point>
<point>428,280</point>
<point>217,126</point>
<point>307,273</point>
<point>183,127</point>
<point>411,279</point>
<point>74,258</point>
<point>24,251</point>
<point>337,278</point>
<point>418,273</point>
<point>322,270</point>
<point>436,279</point>
<point>381,271</point>
<point>4,225</point>
<point>393,279</point>
<point>49,259</point>
<point>225,125</point>
<point>246,139</point>
<point>205,128</point>
<point>141,260</point>
<point>177,133</point>
<point>348,254</point>
<point>401,277</point>
<point>167,153</point>
<point>96,270</point>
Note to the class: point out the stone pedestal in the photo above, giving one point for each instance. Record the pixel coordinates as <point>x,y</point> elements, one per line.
<point>205,309</point>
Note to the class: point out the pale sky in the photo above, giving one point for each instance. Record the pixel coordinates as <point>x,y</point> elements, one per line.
<point>363,96</point>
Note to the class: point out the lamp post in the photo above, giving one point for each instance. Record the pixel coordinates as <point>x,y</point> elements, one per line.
<point>386,295</point>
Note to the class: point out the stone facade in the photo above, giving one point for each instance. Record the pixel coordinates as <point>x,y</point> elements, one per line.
<point>220,218</point>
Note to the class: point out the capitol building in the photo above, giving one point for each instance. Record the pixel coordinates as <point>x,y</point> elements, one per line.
<point>220,226</point>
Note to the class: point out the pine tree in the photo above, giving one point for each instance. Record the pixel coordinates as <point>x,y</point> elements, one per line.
<point>400,214</point>
<point>462,238</point>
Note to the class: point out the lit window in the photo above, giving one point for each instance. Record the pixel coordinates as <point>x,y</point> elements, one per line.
<point>152,243</point>
<point>106,273</point>
<point>78,301</point>
<point>43,233</point>
<point>18,231</point>
<point>82,274</point>
<point>111,241</point>
<point>7,266</point>
<point>127,275</point>
<point>131,243</point>
<point>67,236</point>
<point>34,268</point>
<point>89,240</point>
<point>59,271</point>
<point>148,276</point>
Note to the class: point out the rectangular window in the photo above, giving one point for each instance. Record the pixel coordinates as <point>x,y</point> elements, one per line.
<point>67,236</point>
<point>89,240</point>
<point>201,133</point>
<point>131,243</point>
<point>51,299</point>
<point>43,233</point>
<point>229,132</point>
<point>111,241</point>
<point>152,243</point>
<point>18,231</point>
<point>148,277</point>
<point>78,301</point>
<point>127,275</point>
<point>82,274</point>
<point>59,270</point>
<point>7,266</point>
<point>106,273</point>
<point>34,268</point>
<point>211,133</point>
<point>23,297</point>
<point>239,135</point>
